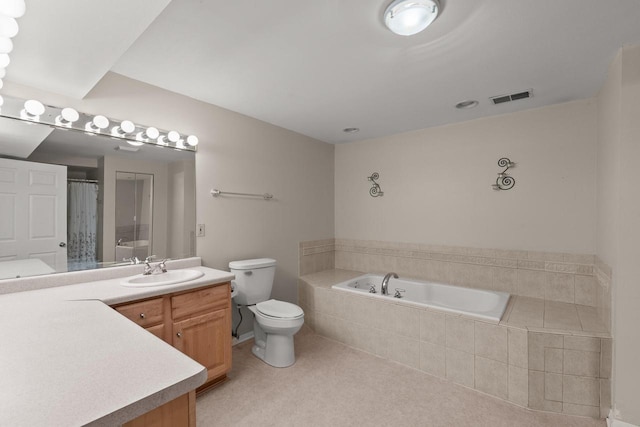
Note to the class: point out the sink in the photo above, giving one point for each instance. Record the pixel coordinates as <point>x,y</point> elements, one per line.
<point>161,279</point>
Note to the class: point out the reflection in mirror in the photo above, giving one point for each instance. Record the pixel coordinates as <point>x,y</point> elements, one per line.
<point>134,211</point>
<point>60,204</point>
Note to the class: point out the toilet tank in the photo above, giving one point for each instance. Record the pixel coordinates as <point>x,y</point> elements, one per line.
<point>254,279</point>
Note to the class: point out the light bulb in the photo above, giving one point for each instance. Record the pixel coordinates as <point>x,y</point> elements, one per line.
<point>4,60</point>
<point>8,26</point>
<point>1,100</point>
<point>6,45</point>
<point>125,127</point>
<point>32,110</point>
<point>97,124</point>
<point>192,140</point>
<point>1,84</point>
<point>173,136</point>
<point>67,117</point>
<point>12,8</point>
<point>3,73</point>
<point>149,134</point>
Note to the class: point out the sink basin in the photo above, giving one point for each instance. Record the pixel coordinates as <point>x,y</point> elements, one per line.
<point>161,279</point>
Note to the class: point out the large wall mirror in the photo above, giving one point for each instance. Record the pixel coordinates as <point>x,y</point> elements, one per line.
<point>78,201</point>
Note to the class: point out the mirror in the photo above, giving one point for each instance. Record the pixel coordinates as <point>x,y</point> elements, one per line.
<point>79,201</point>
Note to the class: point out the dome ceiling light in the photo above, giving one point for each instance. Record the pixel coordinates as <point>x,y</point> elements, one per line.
<point>409,17</point>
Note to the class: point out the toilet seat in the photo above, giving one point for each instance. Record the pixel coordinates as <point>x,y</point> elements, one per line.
<point>274,309</point>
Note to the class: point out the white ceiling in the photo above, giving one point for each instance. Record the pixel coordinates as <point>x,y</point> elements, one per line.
<point>318,67</point>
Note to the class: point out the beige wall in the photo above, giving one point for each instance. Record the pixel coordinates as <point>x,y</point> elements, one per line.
<point>618,230</point>
<point>236,153</point>
<point>437,183</point>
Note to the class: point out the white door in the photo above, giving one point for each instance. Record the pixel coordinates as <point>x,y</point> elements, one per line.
<point>33,214</point>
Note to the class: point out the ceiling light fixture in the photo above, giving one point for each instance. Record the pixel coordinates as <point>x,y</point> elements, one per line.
<point>409,17</point>
<point>464,105</point>
<point>351,130</point>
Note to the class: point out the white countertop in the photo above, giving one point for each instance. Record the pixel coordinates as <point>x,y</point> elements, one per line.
<point>68,359</point>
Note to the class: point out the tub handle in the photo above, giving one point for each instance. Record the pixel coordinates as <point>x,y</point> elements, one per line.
<point>398,293</point>
<point>372,289</point>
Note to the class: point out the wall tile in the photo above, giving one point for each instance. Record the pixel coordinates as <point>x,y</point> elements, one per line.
<point>404,350</point>
<point>527,312</point>
<point>460,367</point>
<point>605,358</point>
<point>436,271</point>
<point>460,333</point>
<point>433,359</point>
<point>491,377</point>
<point>536,352</point>
<point>559,287</point>
<point>553,387</point>
<point>585,293</point>
<point>518,348</point>
<point>553,360</point>
<point>470,275</point>
<point>491,341</point>
<point>572,342</point>
<point>605,397</point>
<point>536,390</point>
<point>531,283</point>
<point>559,315</point>
<point>518,385</point>
<point>432,327</point>
<point>583,363</point>
<point>582,410</point>
<point>505,280</point>
<point>581,390</point>
<point>589,319</point>
<point>404,320</point>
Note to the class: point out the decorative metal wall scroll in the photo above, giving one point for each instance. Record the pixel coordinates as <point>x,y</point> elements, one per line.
<point>504,180</point>
<point>375,190</point>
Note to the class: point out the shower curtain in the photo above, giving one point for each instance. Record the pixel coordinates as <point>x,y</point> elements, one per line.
<point>81,222</point>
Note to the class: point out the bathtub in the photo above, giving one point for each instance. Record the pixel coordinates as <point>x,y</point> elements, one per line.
<point>477,303</point>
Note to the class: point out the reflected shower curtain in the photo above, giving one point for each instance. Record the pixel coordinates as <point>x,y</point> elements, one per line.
<point>82,222</point>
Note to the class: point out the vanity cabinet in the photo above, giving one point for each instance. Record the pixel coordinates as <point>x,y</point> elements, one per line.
<point>149,314</point>
<point>196,322</point>
<point>180,412</point>
<point>201,329</point>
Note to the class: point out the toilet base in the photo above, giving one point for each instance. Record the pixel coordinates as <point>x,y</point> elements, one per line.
<point>273,349</point>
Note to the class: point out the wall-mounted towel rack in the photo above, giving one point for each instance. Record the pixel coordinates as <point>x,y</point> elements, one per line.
<point>216,193</point>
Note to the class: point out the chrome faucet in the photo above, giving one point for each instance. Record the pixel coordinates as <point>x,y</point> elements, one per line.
<point>148,269</point>
<point>385,283</point>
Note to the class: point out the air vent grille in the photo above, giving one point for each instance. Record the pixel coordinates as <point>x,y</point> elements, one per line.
<point>501,99</point>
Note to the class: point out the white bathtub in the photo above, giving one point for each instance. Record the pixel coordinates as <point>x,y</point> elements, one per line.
<point>478,303</point>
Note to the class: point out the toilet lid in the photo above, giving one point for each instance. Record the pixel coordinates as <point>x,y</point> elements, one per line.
<point>275,308</point>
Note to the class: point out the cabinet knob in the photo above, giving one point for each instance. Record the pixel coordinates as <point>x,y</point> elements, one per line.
<point>179,334</point>
<point>142,315</point>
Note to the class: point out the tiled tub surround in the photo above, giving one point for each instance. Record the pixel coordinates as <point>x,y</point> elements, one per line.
<point>503,360</point>
<point>566,278</point>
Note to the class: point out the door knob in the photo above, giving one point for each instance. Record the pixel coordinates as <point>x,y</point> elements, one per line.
<point>62,244</point>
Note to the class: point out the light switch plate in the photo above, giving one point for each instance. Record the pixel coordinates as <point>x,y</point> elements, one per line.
<point>200,230</point>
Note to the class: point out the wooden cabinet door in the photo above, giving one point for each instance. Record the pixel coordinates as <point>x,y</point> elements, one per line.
<point>207,340</point>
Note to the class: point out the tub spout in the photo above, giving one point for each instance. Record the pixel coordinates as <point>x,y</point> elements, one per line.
<point>385,283</point>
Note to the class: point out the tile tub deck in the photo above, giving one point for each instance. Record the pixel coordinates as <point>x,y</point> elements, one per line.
<point>542,355</point>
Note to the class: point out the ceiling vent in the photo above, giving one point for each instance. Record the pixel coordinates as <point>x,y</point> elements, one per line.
<point>501,99</point>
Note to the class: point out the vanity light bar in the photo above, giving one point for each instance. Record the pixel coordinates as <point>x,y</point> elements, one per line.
<point>32,110</point>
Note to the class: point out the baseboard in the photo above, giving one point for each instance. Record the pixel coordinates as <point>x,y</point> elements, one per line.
<point>244,337</point>
<point>612,422</point>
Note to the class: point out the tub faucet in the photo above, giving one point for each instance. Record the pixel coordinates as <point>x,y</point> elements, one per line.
<point>385,283</point>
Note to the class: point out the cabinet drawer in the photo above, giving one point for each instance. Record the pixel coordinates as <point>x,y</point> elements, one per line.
<point>208,299</point>
<point>144,313</point>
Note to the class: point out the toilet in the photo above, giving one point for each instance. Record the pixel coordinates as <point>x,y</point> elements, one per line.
<point>275,322</point>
